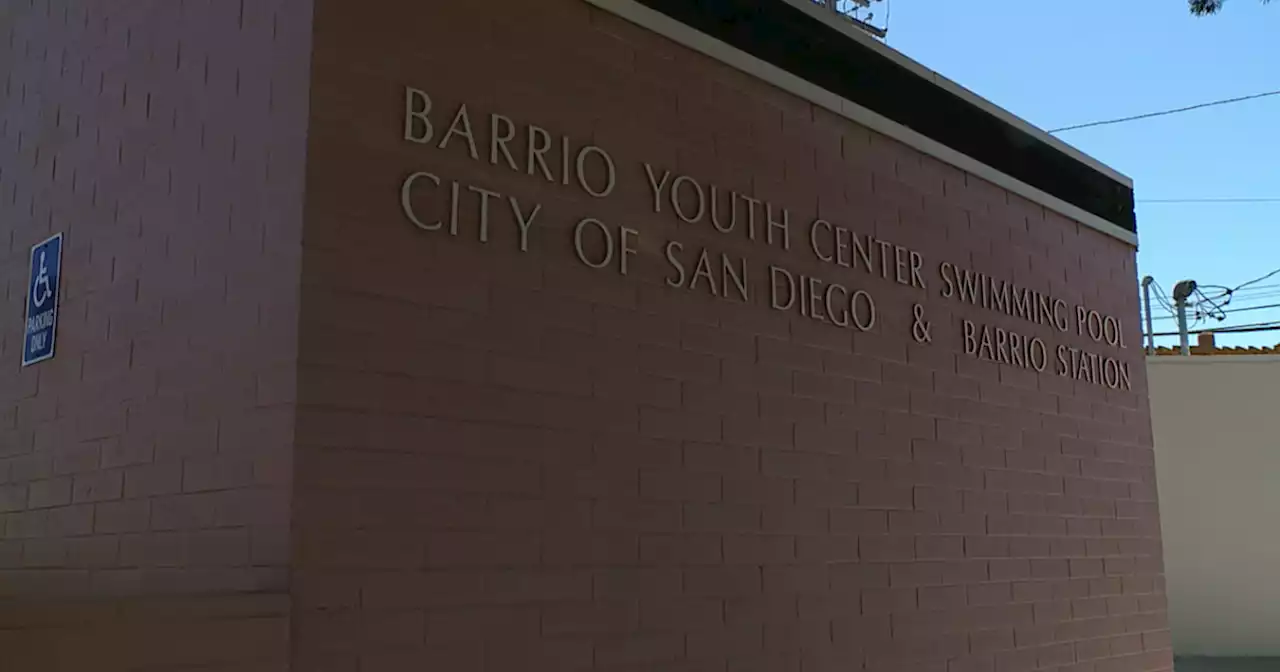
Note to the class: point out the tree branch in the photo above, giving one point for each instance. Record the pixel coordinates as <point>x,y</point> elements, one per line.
<point>1207,7</point>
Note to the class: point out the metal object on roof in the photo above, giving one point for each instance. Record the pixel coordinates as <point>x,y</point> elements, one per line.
<point>860,13</point>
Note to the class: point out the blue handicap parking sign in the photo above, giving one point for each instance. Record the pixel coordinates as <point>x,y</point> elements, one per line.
<point>42,301</point>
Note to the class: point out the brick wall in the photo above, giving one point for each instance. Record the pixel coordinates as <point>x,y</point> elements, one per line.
<point>448,451</point>
<point>151,459</point>
<point>208,633</point>
<point>508,460</point>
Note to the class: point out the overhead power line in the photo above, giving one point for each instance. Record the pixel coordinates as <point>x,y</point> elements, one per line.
<point>1242,329</point>
<point>1163,113</point>
<point>1221,314</point>
<point>1243,299</point>
<point>1219,302</point>
<point>1262,288</point>
<point>1208,200</point>
<point>1163,298</point>
<point>1254,294</point>
<point>1215,309</point>
<point>1253,308</point>
<point>1255,281</point>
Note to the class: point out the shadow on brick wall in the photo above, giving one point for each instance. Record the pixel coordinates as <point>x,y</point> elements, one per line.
<point>230,632</point>
<point>1227,665</point>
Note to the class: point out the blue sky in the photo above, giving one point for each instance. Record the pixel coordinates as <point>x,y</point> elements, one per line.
<point>1057,64</point>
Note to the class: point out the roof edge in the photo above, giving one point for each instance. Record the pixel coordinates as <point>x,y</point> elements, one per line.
<point>640,13</point>
<point>814,10</point>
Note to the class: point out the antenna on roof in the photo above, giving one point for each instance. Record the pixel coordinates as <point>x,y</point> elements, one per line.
<point>858,13</point>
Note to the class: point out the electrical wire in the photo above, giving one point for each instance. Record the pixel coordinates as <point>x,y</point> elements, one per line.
<point>1163,113</point>
<point>1247,329</point>
<point>1250,299</point>
<point>1218,303</point>
<point>1262,296</point>
<point>1255,281</point>
<point>1215,309</point>
<point>1242,329</point>
<point>1253,308</point>
<point>1226,291</point>
<point>1163,302</point>
<point>1162,297</point>
<point>1247,309</point>
<point>1208,200</point>
<point>1258,288</point>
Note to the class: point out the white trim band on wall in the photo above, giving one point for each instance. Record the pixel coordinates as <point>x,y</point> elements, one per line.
<point>771,74</point>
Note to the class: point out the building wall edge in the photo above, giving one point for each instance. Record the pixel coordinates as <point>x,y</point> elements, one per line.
<point>709,46</point>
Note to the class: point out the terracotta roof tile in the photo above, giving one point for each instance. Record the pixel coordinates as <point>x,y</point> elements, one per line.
<point>1207,346</point>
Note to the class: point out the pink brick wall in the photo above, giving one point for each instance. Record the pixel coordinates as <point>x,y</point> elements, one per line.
<point>507,460</point>
<point>152,456</point>
<point>456,453</point>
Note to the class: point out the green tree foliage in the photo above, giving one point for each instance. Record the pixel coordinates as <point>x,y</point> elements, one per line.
<point>1206,7</point>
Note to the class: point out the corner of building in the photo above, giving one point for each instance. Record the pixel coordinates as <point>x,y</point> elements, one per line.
<point>146,469</point>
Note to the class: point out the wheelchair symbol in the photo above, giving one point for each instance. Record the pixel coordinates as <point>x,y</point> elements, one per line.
<point>42,288</point>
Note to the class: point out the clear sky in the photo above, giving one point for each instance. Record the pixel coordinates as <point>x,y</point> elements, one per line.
<point>1058,64</point>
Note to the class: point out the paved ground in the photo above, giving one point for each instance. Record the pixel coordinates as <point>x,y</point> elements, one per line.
<point>1228,665</point>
